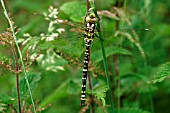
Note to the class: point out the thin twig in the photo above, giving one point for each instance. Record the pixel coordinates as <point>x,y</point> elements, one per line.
<point>17,78</point>
<point>23,66</point>
<point>87,5</point>
<point>13,108</point>
<point>18,91</point>
<point>91,96</point>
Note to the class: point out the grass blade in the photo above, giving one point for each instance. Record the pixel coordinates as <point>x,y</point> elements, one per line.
<point>20,55</point>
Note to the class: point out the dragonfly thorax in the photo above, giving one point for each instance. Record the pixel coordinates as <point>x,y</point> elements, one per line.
<point>89,31</point>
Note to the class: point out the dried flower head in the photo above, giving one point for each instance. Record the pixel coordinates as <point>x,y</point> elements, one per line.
<point>6,38</point>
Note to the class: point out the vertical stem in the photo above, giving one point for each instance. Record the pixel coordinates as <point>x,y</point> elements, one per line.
<point>17,78</point>
<point>18,93</point>
<point>91,96</point>
<point>90,87</point>
<point>20,55</point>
<point>151,100</point>
<point>88,75</point>
<point>87,5</point>
<point>116,71</point>
<point>107,73</point>
<point>116,62</point>
<point>104,58</point>
<point>18,87</point>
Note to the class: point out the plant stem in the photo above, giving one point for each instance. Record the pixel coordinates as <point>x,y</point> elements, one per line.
<point>151,100</point>
<point>20,55</point>
<point>107,74</point>
<point>91,96</point>
<point>104,56</point>
<point>13,108</point>
<point>90,87</point>
<point>88,75</point>
<point>18,88</point>
<point>18,93</point>
<point>17,78</point>
<point>87,5</point>
<point>116,62</point>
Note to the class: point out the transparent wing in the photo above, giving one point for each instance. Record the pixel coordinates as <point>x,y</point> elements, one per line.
<point>129,44</point>
<point>124,35</point>
<point>124,42</point>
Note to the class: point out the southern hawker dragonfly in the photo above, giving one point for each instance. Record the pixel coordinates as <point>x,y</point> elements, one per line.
<point>125,42</point>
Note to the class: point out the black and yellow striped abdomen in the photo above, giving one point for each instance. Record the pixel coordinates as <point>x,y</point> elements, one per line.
<point>89,33</point>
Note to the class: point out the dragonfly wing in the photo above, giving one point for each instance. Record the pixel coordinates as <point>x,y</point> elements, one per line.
<point>124,44</point>
<point>137,35</point>
<point>129,35</point>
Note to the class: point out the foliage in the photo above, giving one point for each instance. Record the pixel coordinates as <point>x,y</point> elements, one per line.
<point>6,99</point>
<point>33,80</point>
<point>24,93</point>
<point>75,15</point>
<point>52,46</point>
<point>100,94</point>
<point>132,110</point>
<point>162,73</point>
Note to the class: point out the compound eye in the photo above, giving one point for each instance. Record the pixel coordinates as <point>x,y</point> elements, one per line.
<point>92,15</point>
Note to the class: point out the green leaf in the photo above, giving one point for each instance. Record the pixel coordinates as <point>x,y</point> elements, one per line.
<point>73,87</point>
<point>6,99</point>
<point>100,94</point>
<point>162,73</point>
<point>28,5</point>
<point>97,55</point>
<point>27,28</point>
<point>69,46</point>
<point>76,10</point>
<point>58,93</point>
<point>24,91</point>
<point>132,110</point>
<point>147,89</point>
<point>135,75</point>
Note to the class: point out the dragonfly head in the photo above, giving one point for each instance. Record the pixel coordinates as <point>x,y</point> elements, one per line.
<point>91,17</point>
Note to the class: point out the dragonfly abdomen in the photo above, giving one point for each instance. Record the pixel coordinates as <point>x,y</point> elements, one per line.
<point>89,33</point>
<point>85,72</point>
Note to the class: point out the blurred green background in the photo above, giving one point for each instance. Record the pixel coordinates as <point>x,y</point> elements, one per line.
<point>54,87</point>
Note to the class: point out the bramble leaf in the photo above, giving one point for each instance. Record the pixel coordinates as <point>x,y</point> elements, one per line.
<point>6,99</point>
<point>24,91</point>
<point>97,55</point>
<point>77,12</point>
<point>73,87</point>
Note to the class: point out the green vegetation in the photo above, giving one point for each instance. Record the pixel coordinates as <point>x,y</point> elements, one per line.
<point>42,53</point>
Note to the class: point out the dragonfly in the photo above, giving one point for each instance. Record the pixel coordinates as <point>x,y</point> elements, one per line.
<point>75,38</point>
<point>89,33</point>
